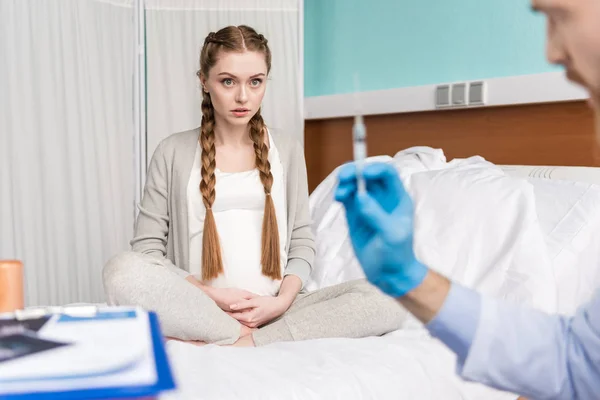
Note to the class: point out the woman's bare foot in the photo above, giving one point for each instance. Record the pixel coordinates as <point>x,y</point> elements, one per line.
<point>244,341</point>
<point>246,331</point>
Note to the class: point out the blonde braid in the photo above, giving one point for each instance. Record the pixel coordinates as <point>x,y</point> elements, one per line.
<point>271,264</point>
<point>212,262</point>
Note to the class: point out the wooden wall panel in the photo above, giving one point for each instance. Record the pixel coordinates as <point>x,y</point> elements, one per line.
<point>540,134</point>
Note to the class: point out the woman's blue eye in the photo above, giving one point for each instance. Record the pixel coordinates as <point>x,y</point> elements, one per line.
<point>228,81</point>
<point>256,82</point>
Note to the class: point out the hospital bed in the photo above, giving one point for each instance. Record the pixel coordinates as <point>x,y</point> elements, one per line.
<point>550,262</point>
<point>546,229</point>
<point>553,268</point>
<point>556,275</point>
<point>537,247</point>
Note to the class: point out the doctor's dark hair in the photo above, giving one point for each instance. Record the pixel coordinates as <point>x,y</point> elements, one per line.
<point>234,39</point>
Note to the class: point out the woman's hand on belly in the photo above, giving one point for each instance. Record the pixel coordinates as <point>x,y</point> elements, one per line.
<point>223,297</point>
<point>259,310</point>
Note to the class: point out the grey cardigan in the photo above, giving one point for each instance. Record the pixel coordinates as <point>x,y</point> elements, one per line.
<point>162,224</point>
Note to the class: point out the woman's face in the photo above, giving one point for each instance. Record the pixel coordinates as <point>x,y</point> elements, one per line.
<point>236,84</point>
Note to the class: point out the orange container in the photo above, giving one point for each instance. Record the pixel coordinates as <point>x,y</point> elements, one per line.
<point>11,285</point>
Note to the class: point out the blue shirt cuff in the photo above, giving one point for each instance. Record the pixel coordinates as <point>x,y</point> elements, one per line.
<point>456,323</point>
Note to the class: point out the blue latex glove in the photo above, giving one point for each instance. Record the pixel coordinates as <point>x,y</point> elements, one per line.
<point>380,222</point>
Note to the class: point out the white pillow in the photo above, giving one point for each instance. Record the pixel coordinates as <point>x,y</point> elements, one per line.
<point>479,227</point>
<point>569,215</point>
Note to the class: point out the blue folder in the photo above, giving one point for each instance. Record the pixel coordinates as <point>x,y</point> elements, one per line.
<point>163,383</point>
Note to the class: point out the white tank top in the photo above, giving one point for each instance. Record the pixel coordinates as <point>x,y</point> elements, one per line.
<point>238,210</point>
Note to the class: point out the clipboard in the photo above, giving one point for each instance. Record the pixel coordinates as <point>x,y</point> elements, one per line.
<point>164,381</point>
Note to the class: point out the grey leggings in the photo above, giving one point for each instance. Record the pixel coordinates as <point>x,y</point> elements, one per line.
<point>353,309</point>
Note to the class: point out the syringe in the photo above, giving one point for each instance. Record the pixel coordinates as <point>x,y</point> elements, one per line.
<point>359,139</point>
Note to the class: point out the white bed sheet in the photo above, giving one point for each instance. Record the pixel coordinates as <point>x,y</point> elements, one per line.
<point>403,365</point>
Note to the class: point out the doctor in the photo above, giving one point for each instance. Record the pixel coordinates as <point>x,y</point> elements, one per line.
<point>504,346</point>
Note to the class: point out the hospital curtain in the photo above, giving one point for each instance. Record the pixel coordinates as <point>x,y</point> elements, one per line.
<point>69,119</point>
<point>66,142</point>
